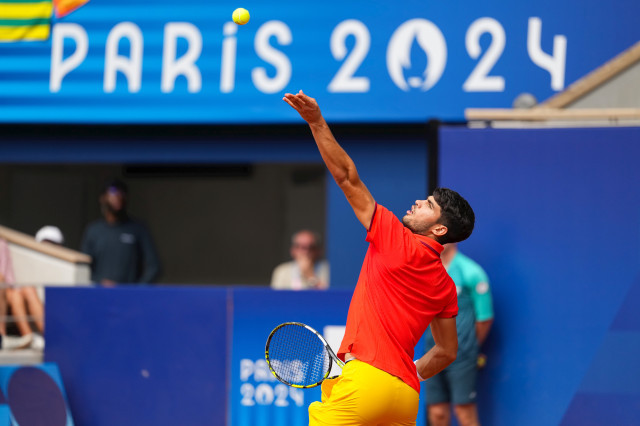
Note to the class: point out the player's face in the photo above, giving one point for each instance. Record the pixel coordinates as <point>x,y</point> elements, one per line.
<point>422,215</point>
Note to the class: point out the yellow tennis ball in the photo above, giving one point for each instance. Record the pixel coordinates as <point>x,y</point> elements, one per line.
<point>241,16</point>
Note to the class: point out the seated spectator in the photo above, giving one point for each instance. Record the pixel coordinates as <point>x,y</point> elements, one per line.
<point>25,303</point>
<point>307,270</point>
<point>6,282</point>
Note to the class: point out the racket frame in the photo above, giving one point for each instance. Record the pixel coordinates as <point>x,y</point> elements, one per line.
<point>332,356</point>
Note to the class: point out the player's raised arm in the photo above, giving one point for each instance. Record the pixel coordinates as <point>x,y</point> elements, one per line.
<point>340,165</point>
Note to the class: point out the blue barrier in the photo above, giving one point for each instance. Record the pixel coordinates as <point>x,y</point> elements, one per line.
<point>160,356</point>
<point>141,356</point>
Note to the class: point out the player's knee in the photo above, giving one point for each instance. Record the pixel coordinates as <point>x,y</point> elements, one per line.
<point>439,414</point>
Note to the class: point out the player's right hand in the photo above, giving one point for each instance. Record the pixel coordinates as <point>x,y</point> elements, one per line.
<point>306,106</point>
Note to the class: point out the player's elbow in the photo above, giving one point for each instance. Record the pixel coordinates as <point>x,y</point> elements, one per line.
<point>347,178</point>
<point>450,352</point>
<point>451,355</point>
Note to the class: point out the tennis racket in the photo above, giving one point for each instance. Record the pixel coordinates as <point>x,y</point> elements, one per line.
<point>299,356</point>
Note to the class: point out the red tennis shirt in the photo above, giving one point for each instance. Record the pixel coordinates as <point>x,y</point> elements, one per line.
<point>401,288</point>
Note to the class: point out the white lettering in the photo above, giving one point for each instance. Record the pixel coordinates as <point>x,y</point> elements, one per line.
<point>246,368</point>
<point>344,81</point>
<point>479,80</point>
<point>228,67</point>
<point>262,372</point>
<point>131,67</point>
<point>172,67</point>
<point>275,57</point>
<point>554,63</point>
<point>247,390</point>
<point>60,66</point>
<point>264,394</point>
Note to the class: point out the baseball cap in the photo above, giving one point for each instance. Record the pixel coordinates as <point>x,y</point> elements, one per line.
<point>50,233</point>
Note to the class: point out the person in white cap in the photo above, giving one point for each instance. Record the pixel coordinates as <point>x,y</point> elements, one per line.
<point>24,301</point>
<point>50,234</point>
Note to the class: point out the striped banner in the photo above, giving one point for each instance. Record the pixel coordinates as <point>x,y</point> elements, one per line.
<point>25,20</point>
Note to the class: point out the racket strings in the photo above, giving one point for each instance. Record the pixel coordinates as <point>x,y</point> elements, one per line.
<point>298,356</point>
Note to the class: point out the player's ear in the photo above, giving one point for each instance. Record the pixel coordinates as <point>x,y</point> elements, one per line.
<point>439,230</point>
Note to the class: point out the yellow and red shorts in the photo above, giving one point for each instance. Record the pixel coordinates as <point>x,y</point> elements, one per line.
<point>365,395</point>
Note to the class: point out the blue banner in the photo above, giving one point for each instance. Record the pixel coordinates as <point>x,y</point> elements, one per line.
<point>257,398</point>
<point>168,61</point>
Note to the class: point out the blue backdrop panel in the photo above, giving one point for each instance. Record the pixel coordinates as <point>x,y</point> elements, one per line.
<point>558,231</point>
<point>140,356</point>
<point>395,172</point>
<point>256,397</point>
<point>366,61</point>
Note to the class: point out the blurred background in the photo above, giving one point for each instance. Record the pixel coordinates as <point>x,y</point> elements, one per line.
<point>158,199</point>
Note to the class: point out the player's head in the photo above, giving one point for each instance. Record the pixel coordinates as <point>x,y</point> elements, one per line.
<point>113,198</point>
<point>305,243</point>
<point>445,216</point>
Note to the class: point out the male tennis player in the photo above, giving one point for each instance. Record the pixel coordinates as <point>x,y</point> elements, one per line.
<point>402,287</point>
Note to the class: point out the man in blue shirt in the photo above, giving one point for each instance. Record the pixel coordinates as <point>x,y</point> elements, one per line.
<point>121,248</point>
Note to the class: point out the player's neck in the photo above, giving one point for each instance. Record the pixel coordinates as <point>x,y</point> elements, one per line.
<point>448,254</point>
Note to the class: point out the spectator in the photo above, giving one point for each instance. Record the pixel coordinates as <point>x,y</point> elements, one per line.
<point>6,282</point>
<point>50,234</point>
<point>121,248</point>
<point>307,270</point>
<point>457,383</point>
<point>25,303</point>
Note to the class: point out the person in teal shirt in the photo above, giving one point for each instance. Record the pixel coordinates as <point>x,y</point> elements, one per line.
<point>456,385</point>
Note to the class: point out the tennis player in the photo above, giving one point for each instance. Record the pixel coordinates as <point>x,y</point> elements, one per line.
<point>403,287</point>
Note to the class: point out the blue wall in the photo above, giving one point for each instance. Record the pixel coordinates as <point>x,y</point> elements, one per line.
<point>140,356</point>
<point>558,231</point>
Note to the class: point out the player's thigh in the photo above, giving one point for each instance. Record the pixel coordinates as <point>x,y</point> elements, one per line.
<point>462,383</point>
<point>341,400</point>
<point>365,395</point>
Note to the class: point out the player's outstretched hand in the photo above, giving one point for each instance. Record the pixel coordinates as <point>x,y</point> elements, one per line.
<point>306,106</point>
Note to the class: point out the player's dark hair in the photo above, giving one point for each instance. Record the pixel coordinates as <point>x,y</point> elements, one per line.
<point>456,214</point>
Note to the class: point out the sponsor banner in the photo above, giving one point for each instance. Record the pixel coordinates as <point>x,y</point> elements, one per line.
<point>136,61</point>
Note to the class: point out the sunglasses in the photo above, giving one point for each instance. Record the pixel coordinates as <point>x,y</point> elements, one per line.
<point>305,246</point>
